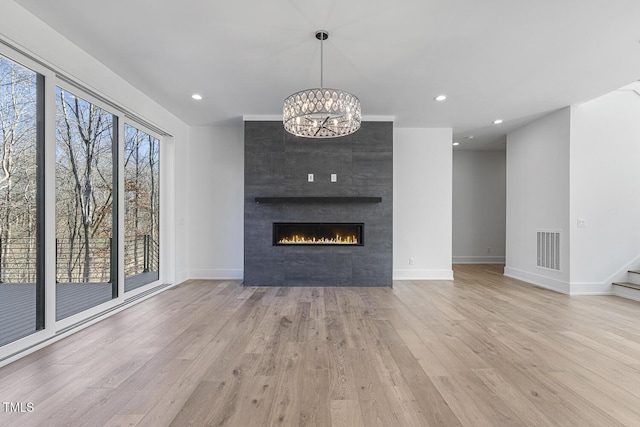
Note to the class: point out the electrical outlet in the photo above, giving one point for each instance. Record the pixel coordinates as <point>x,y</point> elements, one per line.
<point>488,250</point>
<point>310,177</point>
<point>412,261</point>
<point>334,177</point>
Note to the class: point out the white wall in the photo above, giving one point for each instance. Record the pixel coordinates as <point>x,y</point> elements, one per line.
<point>422,199</point>
<point>179,202</point>
<point>605,185</point>
<point>479,206</point>
<point>216,199</point>
<point>422,203</point>
<point>538,197</point>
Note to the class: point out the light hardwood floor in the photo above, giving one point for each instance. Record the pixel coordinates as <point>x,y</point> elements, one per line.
<point>482,350</point>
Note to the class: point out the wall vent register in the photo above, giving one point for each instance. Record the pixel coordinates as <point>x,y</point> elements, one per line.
<point>548,249</point>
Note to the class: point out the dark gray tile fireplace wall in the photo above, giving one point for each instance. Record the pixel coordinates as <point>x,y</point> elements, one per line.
<point>277,164</point>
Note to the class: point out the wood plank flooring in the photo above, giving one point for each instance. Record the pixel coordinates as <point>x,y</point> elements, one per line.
<point>483,350</point>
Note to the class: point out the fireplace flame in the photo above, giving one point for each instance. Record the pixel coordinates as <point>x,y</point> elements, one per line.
<point>303,240</point>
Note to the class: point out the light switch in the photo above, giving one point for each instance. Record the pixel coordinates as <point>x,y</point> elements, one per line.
<point>310,177</point>
<point>334,177</point>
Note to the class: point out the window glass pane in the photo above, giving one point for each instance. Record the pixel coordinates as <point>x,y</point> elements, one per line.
<point>142,207</point>
<point>18,201</point>
<point>84,204</point>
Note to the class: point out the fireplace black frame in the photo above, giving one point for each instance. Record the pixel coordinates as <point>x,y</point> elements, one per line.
<point>359,226</point>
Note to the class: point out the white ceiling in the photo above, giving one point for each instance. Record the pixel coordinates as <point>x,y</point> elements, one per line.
<point>508,59</point>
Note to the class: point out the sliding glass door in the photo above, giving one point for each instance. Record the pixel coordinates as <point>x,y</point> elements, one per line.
<point>86,233</point>
<point>21,202</point>
<point>96,234</point>
<point>142,208</point>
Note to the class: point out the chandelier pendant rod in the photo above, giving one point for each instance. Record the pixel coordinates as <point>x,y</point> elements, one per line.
<point>322,37</point>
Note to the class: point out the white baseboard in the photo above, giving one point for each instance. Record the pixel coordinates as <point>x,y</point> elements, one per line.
<point>478,259</point>
<point>422,274</point>
<point>538,280</point>
<point>627,293</point>
<point>591,288</point>
<point>216,274</point>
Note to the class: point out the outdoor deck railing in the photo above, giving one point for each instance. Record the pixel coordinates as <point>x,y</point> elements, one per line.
<point>18,259</point>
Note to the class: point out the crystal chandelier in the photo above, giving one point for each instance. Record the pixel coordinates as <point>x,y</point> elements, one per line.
<point>321,112</point>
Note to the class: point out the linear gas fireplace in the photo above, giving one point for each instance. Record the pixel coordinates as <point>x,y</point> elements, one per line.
<point>316,233</point>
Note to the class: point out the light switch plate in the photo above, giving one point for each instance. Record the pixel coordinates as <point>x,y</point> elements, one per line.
<point>310,177</point>
<point>334,177</point>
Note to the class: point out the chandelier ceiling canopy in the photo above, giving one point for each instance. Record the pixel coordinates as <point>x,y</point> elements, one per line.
<point>321,112</point>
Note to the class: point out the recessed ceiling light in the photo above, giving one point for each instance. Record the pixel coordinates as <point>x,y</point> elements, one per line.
<point>196,96</point>
<point>455,144</point>
<point>497,121</point>
<point>440,97</point>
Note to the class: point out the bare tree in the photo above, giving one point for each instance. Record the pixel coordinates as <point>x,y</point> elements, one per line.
<point>84,175</point>
<point>17,170</point>
<point>141,195</point>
